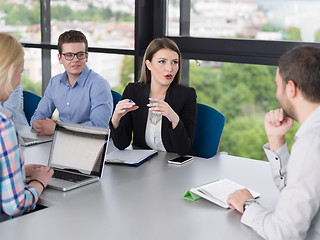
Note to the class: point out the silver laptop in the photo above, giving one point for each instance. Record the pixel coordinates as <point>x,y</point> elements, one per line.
<point>77,155</point>
<point>28,136</point>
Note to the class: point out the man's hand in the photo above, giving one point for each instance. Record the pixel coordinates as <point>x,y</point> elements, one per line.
<point>238,198</point>
<point>44,126</point>
<point>276,126</point>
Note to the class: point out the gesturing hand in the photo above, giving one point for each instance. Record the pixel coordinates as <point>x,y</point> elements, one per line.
<point>159,106</point>
<point>123,107</point>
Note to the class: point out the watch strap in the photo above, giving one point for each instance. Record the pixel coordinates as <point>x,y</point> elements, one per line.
<point>247,203</point>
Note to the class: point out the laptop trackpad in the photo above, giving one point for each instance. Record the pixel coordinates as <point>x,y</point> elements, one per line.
<point>61,184</point>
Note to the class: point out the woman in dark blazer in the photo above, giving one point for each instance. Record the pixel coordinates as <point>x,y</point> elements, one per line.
<point>159,111</point>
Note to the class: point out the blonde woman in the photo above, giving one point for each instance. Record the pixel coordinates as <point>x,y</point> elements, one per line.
<point>17,197</point>
<point>159,111</point>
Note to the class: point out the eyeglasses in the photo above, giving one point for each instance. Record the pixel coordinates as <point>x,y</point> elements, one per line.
<point>70,56</point>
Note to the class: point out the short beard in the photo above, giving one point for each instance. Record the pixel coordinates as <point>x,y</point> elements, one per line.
<point>290,115</point>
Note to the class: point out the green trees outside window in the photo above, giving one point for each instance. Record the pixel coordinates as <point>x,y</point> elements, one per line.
<point>243,93</point>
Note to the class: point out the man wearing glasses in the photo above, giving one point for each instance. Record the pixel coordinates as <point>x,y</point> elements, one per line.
<point>79,94</point>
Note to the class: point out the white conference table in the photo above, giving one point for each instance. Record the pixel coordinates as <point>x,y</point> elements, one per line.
<point>144,203</point>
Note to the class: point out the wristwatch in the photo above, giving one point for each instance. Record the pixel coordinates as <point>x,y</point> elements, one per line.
<point>248,202</point>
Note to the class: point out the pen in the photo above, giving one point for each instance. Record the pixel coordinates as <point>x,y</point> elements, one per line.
<point>114,161</point>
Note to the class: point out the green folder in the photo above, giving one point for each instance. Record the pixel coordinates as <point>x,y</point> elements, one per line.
<point>193,197</point>
<point>190,196</point>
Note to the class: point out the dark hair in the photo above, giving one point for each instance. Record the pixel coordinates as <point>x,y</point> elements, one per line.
<point>302,66</point>
<point>72,36</point>
<point>153,47</point>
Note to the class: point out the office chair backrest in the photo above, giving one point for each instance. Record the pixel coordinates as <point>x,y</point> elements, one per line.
<point>116,98</point>
<point>30,103</point>
<point>209,127</point>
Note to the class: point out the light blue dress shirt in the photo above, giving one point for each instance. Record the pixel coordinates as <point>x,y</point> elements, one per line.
<point>88,101</point>
<point>297,212</point>
<point>14,105</point>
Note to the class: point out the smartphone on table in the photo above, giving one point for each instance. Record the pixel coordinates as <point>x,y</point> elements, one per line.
<point>180,160</point>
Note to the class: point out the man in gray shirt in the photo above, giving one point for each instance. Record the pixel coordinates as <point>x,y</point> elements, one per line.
<point>296,214</point>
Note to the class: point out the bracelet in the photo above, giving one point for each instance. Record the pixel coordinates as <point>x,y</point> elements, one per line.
<point>36,180</point>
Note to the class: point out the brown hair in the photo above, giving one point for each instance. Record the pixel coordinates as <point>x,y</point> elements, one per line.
<point>72,36</point>
<point>302,66</point>
<point>154,46</point>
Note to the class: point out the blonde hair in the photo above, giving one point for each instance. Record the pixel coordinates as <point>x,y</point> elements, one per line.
<point>154,46</point>
<point>11,57</point>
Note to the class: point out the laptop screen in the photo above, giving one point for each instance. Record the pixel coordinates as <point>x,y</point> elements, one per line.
<point>79,148</point>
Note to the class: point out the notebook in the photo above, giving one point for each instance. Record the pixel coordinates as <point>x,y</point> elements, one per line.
<point>130,157</point>
<point>28,136</point>
<point>77,155</point>
<point>217,191</point>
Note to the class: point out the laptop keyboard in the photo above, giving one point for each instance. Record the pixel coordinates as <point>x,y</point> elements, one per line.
<point>27,139</point>
<point>69,176</point>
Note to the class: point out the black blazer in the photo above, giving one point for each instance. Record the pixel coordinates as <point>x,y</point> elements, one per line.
<point>182,100</point>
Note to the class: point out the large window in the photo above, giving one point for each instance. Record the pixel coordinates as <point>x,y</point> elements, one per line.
<point>297,20</point>
<point>236,45</point>
<point>106,23</point>
<point>21,19</point>
<point>229,47</point>
<point>243,93</point>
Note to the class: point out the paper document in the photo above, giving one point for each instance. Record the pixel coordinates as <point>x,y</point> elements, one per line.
<point>218,191</point>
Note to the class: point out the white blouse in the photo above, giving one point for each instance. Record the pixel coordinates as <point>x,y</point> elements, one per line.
<point>153,131</point>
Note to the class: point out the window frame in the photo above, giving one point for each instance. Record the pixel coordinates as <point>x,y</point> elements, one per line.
<point>151,22</point>
<point>235,50</point>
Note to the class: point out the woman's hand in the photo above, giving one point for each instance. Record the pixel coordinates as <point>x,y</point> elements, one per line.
<point>41,174</point>
<point>29,168</point>
<point>159,106</point>
<point>122,108</point>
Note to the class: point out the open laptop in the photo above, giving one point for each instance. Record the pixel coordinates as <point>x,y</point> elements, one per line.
<point>28,136</point>
<point>77,155</point>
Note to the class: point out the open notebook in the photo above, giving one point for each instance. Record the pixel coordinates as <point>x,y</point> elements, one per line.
<point>77,155</point>
<point>217,192</point>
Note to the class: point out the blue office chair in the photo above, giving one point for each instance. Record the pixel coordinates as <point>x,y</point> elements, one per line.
<point>209,127</point>
<point>116,98</point>
<point>30,103</point>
